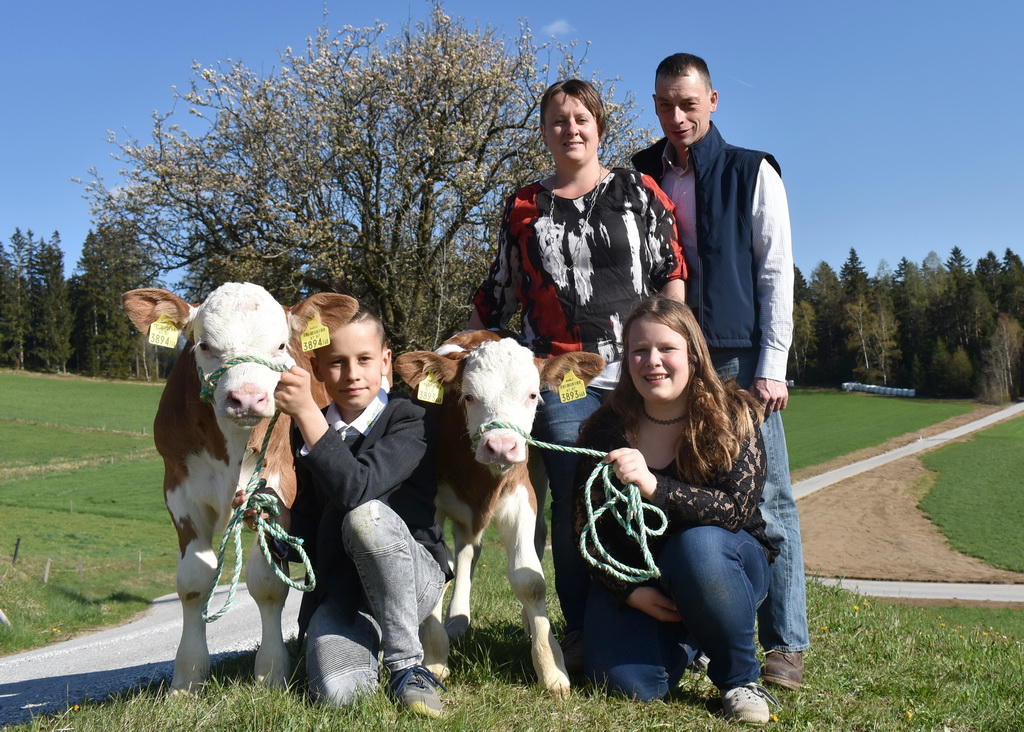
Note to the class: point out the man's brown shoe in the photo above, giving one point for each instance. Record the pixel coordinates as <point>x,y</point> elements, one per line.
<point>783,669</point>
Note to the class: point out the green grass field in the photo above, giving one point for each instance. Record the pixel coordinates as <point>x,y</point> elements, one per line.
<point>981,479</point>
<point>872,665</point>
<point>821,425</point>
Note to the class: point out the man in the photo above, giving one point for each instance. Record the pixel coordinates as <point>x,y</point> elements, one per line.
<point>733,221</point>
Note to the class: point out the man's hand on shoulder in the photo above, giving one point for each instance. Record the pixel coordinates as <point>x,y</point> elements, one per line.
<point>774,395</point>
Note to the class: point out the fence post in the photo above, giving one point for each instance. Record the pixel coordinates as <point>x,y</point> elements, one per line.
<point>17,546</point>
<point>80,572</point>
<point>140,561</point>
<point>46,572</point>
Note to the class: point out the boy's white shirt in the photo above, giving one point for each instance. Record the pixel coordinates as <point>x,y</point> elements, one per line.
<point>361,424</point>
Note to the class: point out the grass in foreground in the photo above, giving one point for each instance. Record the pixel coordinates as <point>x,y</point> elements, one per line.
<point>981,479</point>
<point>872,667</point>
<point>821,424</point>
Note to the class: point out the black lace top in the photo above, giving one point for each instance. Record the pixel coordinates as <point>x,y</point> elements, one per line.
<point>730,501</point>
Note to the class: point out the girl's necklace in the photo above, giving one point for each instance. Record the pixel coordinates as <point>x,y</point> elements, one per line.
<point>675,420</point>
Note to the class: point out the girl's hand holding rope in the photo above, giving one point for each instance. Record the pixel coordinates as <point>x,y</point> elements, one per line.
<point>630,467</point>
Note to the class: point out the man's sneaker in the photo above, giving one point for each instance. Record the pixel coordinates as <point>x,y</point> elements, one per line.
<point>415,689</point>
<point>748,704</point>
<point>783,669</point>
<point>572,651</point>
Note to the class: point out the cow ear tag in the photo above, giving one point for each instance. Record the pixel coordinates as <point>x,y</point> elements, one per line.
<point>430,390</point>
<point>163,332</point>
<point>315,336</point>
<point>572,388</point>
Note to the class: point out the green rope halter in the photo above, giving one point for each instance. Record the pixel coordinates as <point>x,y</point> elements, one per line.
<point>208,382</point>
<point>615,499</point>
<point>261,502</point>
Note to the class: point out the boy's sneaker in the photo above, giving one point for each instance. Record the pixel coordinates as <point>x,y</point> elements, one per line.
<point>415,689</point>
<point>748,704</point>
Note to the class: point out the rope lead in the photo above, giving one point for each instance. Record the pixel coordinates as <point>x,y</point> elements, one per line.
<point>626,506</point>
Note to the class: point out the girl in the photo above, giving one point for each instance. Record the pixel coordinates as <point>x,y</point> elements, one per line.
<point>692,446</point>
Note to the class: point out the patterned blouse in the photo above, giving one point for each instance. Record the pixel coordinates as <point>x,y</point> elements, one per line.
<point>730,501</point>
<point>577,266</point>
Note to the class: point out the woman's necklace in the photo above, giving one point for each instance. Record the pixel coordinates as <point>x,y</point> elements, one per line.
<point>675,420</point>
<point>588,209</point>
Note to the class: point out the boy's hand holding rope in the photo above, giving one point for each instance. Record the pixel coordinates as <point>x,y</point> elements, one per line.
<point>625,504</point>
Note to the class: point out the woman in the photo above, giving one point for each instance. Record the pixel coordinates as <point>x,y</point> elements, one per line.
<point>692,446</point>
<point>576,251</point>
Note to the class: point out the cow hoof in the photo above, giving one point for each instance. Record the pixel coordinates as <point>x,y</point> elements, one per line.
<point>457,626</point>
<point>560,691</point>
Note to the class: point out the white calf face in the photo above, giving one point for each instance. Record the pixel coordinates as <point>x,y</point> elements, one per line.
<point>241,320</point>
<point>500,383</point>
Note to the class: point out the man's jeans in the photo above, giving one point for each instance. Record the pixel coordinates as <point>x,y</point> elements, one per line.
<point>560,424</point>
<point>782,619</point>
<point>401,583</point>
<point>717,579</point>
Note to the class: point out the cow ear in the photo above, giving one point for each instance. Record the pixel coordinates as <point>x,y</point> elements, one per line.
<point>414,366</point>
<point>145,306</point>
<point>585,365</point>
<point>330,308</point>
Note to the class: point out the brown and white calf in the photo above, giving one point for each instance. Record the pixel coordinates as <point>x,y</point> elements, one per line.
<point>487,378</point>
<point>210,450</point>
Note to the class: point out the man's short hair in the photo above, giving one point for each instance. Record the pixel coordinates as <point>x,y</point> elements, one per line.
<point>683,64</point>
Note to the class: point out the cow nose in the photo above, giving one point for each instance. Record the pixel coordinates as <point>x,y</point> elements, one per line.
<point>502,449</point>
<point>249,399</point>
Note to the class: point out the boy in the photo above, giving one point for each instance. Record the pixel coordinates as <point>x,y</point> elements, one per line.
<point>365,510</point>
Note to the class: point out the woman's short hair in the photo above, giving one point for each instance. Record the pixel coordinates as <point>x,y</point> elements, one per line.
<point>584,91</point>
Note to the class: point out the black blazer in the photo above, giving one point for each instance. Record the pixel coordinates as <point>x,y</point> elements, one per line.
<point>394,464</point>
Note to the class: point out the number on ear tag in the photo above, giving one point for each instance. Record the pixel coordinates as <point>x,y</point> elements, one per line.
<point>430,390</point>
<point>572,388</point>
<point>315,336</point>
<point>163,332</point>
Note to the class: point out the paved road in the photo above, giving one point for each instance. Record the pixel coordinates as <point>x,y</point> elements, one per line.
<point>806,487</point>
<point>113,661</point>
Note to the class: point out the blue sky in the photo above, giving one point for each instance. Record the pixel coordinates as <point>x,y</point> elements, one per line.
<point>899,125</point>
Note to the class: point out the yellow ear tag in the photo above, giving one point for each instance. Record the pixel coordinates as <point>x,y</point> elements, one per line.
<point>430,390</point>
<point>572,388</point>
<point>163,332</point>
<point>315,336</point>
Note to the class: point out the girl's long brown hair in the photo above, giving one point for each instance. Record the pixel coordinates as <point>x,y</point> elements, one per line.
<point>720,418</point>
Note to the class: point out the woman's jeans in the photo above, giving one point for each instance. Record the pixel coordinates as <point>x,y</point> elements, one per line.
<point>560,424</point>
<point>782,618</point>
<point>717,579</point>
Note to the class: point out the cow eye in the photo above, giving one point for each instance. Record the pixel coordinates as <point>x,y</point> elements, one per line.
<point>281,347</point>
<point>468,397</point>
<point>533,397</point>
<point>203,347</point>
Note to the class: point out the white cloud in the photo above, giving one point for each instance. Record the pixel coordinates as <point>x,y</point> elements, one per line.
<point>558,28</point>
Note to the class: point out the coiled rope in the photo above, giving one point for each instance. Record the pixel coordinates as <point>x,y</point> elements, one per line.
<point>260,502</point>
<point>625,505</point>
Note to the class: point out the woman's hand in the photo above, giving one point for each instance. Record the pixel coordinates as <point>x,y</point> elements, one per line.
<point>654,602</point>
<point>630,467</point>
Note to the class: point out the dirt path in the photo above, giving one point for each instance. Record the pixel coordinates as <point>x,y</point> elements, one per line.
<point>869,526</point>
